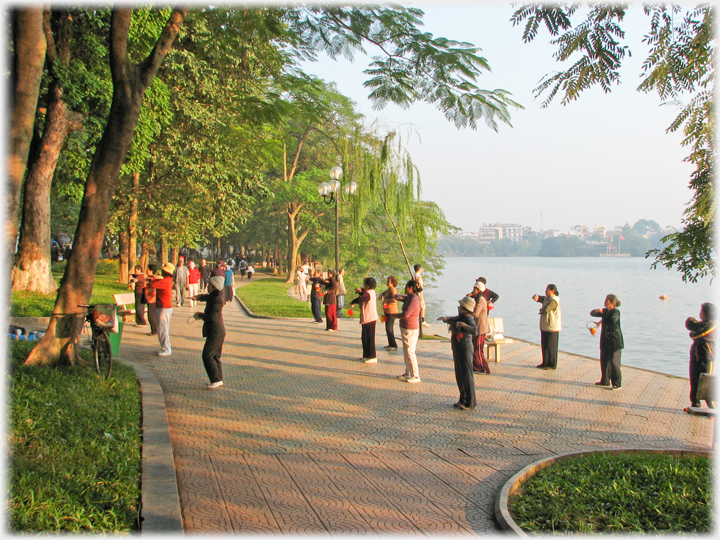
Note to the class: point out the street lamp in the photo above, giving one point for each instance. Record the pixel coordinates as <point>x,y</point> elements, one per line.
<point>330,192</point>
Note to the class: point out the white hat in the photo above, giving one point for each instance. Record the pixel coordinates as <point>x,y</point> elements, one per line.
<point>467,303</point>
<point>480,286</point>
<point>218,282</point>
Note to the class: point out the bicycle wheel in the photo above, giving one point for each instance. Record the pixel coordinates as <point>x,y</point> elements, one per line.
<point>103,355</point>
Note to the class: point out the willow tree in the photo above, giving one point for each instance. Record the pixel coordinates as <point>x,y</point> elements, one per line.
<point>680,68</point>
<point>130,81</point>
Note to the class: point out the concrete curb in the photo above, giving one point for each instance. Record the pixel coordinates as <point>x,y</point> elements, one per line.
<point>160,504</point>
<point>502,513</point>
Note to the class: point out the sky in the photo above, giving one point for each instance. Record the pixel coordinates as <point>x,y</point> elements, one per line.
<point>604,159</point>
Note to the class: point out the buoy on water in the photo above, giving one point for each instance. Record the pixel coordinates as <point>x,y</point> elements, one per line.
<point>663,297</point>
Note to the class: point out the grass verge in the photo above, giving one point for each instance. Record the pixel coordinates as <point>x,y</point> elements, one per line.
<point>30,304</point>
<point>619,493</point>
<point>75,439</point>
<point>269,297</point>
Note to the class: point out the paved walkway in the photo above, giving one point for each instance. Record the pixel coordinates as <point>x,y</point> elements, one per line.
<point>305,438</point>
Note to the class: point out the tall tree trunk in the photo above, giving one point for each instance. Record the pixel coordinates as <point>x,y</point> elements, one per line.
<point>145,256</point>
<point>294,240</point>
<point>29,47</point>
<point>32,270</point>
<point>174,254</point>
<point>133,221</point>
<point>163,251</point>
<point>130,81</point>
<point>124,274</point>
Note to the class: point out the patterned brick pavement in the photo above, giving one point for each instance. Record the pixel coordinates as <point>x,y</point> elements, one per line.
<point>305,438</point>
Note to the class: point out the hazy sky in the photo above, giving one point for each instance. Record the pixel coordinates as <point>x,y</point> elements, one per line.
<point>604,159</point>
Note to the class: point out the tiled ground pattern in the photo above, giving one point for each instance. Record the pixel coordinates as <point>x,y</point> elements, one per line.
<point>305,438</point>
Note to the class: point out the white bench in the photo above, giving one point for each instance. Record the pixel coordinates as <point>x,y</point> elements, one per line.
<point>497,326</point>
<point>122,301</point>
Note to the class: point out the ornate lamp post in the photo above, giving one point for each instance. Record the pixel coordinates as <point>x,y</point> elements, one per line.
<point>330,192</point>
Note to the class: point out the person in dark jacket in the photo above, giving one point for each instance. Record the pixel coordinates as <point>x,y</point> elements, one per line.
<point>330,301</point>
<point>138,278</point>
<point>490,296</point>
<point>213,329</point>
<point>316,295</point>
<point>611,343</point>
<point>702,351</point>
<point>463,329</point>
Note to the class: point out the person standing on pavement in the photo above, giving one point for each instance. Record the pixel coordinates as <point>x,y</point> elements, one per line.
<point>193,282</point>
<point>151,299</point>
<point>417,276</point>
<point>181,281</point>
<point>316,295</point>
<point>550,326</point>
<point>330,301</point>
<point>480,312</point>
<point>229,283</point>
<point>410,331</point>
<point>204,275</point>
<point>702,351</point>
<point>213,330</point>
<point>611,343</point>
<point>163,288</point>
<point>490,296</point>
<point>367,301</point>
<point>390,310</point>
<point>463,329</point>
<point>250,270</point>
<point>341,292</point>
<point>301,287</point>
<point>138,278</point>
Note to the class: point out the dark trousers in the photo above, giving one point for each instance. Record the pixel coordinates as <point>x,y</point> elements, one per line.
<point>463,359</point>
<point>390,328</point>
<point>211,356</point>
<point>549,345</point>
<point>331,316</point>
<point>696,369</point>
<point>479,363</point>
<point>153,318</point>
<point>610,367</point>
<point>139,309</point>
<point>229,293</point>
<point>368,340</point>
<point>316,304</point>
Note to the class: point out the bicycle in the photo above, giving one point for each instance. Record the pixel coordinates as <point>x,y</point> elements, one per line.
<point>101,318</point>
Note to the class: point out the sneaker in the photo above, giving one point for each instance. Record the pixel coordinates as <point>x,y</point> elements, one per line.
<point>163,353</point>
<point>413,379</point>
<point>151,334</point>
<point>404,377</point>
<point>389,348</point>
<point>213,386</point>
<point>600,383</point>
<point>618,387</point>
<point>370,360</point>
<point>425,324</point>
<point>178,305</point>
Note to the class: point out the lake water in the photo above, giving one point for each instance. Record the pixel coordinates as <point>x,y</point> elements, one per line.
<point>654,330</point>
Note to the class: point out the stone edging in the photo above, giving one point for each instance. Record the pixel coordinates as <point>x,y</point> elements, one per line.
<point>160,500</point>
<point>502,513</point>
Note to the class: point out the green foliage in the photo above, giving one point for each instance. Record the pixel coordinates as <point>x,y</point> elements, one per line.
<point>563,246</point>
<point>620,493</point>
<point>680,67</point>
<point>75,442</point>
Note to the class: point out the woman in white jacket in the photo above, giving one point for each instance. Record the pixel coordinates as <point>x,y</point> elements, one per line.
<point>550,325</point>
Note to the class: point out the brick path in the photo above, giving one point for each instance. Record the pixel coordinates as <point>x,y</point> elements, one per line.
<point>305,438</point>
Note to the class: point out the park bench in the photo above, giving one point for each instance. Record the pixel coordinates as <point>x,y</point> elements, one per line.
<point>491,342</point>
<point>122,301</point>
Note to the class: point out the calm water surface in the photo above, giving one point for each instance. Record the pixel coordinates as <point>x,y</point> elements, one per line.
<point>654,330</point>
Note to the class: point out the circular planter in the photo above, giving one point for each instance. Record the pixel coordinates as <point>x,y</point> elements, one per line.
<point>502,513</point>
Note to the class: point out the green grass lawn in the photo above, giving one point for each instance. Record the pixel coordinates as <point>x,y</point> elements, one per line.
<point>29,304</point>
<point>269,297</point>
<point>75,448</point>
<point>622,493</point>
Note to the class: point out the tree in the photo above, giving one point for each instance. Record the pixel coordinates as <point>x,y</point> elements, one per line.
<point>32,268</point>
<point>26,72</point>
<point>130,81</point>
<point>680,67</point>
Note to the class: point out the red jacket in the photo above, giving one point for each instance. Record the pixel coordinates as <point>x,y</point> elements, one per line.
<point>193,275</point>
<point>164,288</point>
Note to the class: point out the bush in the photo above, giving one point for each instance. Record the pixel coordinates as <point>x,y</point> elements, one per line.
<point>75,440</point>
